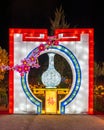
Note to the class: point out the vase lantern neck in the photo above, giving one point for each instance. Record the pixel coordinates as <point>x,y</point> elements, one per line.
<point>51,60</point>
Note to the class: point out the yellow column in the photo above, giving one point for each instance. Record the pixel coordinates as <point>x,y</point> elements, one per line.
<point>51,101</point>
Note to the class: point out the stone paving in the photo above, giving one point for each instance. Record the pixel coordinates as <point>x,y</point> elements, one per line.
<point>51,122</point>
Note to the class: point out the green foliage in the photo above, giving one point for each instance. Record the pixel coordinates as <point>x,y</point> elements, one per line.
<point>3,61</point>
<point>59,20</point>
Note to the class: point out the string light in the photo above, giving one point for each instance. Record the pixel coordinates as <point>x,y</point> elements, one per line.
<point>32,61</point>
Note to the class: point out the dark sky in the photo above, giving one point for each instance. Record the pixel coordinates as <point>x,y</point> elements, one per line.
<point>36,14</point>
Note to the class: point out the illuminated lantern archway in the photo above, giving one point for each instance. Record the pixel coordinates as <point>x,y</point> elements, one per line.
<point>76,46</point>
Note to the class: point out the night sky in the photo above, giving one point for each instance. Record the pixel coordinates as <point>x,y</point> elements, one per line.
<point>36,14</point>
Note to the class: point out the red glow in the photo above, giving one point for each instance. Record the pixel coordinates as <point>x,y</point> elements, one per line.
<point>35,35</point>
<point>91,70</point>
<point>67,35</point>
<point>11,73</point>
<point>75,33</point>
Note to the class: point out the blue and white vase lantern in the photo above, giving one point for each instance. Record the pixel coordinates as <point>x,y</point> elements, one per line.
<point>51,78</point>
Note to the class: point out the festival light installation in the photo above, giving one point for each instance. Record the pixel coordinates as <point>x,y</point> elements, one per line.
<point>76,45</point>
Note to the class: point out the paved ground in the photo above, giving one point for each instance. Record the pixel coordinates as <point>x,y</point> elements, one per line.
<point>51,122</point>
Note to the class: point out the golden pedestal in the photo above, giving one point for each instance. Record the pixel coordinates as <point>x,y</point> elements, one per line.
<point>51,100</point>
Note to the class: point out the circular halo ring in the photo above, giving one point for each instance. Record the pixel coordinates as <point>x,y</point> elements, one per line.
<point>77,83</point>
